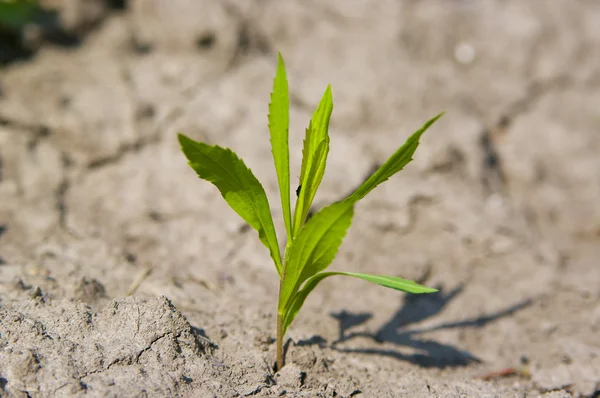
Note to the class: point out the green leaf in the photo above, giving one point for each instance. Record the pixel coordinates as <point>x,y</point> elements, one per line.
<point>308,255</point>
<point>392,282</point>
<point>314,159</point>
<point>279,122</point>
<point>318,241</point>
<point>394,164</point>
<point>238,186</point>
<point>315,247</point>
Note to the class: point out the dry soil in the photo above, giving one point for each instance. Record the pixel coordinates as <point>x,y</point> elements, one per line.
<point>123,275</point>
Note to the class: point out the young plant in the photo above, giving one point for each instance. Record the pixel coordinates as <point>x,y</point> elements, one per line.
<point>311,245</point>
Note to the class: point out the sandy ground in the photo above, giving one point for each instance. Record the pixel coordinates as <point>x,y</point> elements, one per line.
<point>500,208</point>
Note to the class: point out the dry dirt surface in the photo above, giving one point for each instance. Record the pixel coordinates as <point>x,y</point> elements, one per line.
<point>123,275</point>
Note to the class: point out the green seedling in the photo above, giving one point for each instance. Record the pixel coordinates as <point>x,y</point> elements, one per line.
<point>311,244</point>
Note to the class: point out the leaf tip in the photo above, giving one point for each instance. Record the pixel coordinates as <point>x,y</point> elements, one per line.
<point>182,139</point>
<point>281,72</point>
<point>328,93</point>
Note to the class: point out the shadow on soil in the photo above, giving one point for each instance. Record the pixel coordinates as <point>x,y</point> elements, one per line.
<point>13,46</point>
<point>44,26</point>
<point>2,231</point>
<point>414,309</point>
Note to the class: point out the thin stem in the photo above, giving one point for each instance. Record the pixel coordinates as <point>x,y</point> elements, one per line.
<point>280,312</point>
<point>279,341</point>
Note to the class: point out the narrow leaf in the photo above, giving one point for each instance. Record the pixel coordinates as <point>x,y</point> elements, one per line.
<point>238,186</point>
<point>318,241</point>
<point>314,158</point>
<point>394,164</point>
<point>392,282</point>
<point>279,121</point>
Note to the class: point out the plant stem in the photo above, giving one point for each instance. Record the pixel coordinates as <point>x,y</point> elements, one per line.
<point>281,312</point>
<point>279,341</point>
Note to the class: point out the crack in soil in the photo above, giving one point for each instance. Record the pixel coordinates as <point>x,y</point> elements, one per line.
<point>61,192</point>
<point>127,360</point>
<point>124,150</point>
<point>249,36</point>
<point>142,111</point>
<point>149,347</point>
<point>493,175</point>
<point>535,92</point>
<point>37,131</point>
<point>493,178</point>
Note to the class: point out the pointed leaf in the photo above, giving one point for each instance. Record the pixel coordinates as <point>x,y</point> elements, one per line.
<point>394,164</point>
<point>279,121</point>
<point>314,158</point>
<point>392,282</point>
<point>307,254</point>
<point>238,186</point>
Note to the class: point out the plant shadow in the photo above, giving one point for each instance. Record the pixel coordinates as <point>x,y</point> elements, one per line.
<point>398,331</point>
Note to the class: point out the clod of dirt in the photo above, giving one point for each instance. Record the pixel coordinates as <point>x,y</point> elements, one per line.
<point>554,378</point>
<point>90,291</point>
<point>131,345</point>
<point>291,376</point>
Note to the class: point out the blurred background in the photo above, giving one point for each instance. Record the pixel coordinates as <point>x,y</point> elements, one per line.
<point>499,209</point>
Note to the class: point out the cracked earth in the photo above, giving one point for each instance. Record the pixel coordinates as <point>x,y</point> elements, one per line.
<point>122,274</point>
